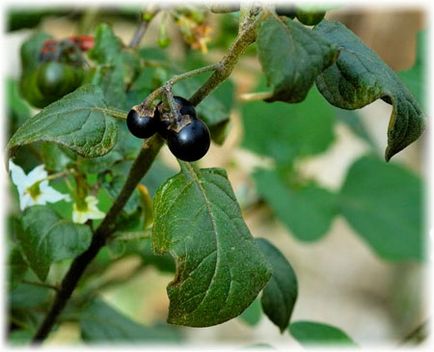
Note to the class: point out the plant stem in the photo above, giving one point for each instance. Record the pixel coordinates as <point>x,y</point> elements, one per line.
<point>246,36</point>
<point>139,168</point>
<point>41,284</point>
<point>141,29</point>
<point>417,335</point>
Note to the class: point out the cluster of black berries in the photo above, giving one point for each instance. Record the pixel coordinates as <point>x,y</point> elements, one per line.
<point>187,136</point>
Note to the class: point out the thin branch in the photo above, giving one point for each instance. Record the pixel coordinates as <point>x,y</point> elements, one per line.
<point>145,19</point>
<point>417,335</point>
<point>139,168</point>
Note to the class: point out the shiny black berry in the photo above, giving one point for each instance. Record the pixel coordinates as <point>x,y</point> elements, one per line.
<point>185,107</point>
<point>191,143</point>
<point>288,11</point>
<point>141,126</point>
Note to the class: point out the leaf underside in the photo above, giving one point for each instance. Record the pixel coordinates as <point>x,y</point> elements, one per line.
<point>359,77</point>
<point>220,269</point>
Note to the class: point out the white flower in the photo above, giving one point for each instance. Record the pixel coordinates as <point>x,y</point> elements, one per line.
<point>33,188</point>
<point>89,210</point>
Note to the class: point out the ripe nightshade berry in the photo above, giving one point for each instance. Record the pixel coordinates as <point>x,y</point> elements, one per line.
<point>191,143</point>
<point>141,126</point>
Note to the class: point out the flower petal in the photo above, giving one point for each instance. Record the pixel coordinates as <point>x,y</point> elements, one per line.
<point>50,195</point>
<point>37,174</point>
<point>17,175</point>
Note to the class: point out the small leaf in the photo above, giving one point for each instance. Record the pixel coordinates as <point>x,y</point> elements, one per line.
<point>220,269</point>
<point>47,238</point>
<point>80,121</point>
<point>252,315</point>
<point>310,333</point>
<point>280,294</point>
<point>289,131</point>
<point>307,210</point>
<point>107,45</point>
<point>360,77</point>
<point>26,296</point>
<point>291,56</point>
<point>383,203</point>
<point>100,323</point>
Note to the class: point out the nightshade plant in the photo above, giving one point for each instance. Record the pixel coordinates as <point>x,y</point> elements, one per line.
<point>192,219</point>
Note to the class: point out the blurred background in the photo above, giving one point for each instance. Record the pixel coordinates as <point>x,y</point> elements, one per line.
<point>343,280</point>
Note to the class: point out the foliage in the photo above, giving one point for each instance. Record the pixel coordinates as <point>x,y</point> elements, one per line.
<point>188,223</point>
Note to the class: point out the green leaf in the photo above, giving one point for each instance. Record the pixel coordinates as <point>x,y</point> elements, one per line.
<point>415,77</point>
<point>310,333</point>
<point>17,267</point>
<point>291,56</point>
<point>117,67</point>
<point>252,315</point>
<point>220,269</point>
<point>384,204</point>
<point>107,45</point>
<point>360,77</point>
<point>18,110</point>
<point>100,323</point>
<point>80,121</point>
<point>27,296</point>
<point>307,210</point>
<point>47,238</point>
<point>285,132</point>
<point>280,294</point>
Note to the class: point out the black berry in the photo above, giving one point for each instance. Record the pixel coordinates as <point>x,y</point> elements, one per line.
<point>288,11</point>
<point>191,143</point>
<point>141,126</point>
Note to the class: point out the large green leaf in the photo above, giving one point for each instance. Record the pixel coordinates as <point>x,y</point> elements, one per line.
<point>47,238</point>
<point>220,269</point>
<point>291,56</point>
<point>17,267</point>
<point>80,121</point>
<point>285,131</point>
<point>100,323</point>
<point>107,45</point>
<point>280,294</point>
<point>310,333</point>
<point>383,203</point>
<point>360,77</point>
<point>307,210</point>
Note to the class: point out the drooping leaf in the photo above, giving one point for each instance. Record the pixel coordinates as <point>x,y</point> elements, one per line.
<point>310,333</point>
<point>18,110</point>
<point>415,77</point>
<point>359,77</point>
<point>291,56</point>
<point>101,323</point>
<point>383,203</point>
<point>280,294</point>
<point>220,269</point>
<point>285,131</point>
<point>252,315</point>
<point>307,210</point>
<point>80,121</point>
<point>47,238</point>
